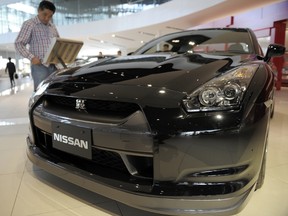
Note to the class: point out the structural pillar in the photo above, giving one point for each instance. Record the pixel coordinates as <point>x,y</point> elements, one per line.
<point>279,38</point>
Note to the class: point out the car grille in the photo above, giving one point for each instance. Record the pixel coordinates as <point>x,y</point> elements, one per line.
<point>101,157</point>
<point>103,161</point>
<point>92,106</point>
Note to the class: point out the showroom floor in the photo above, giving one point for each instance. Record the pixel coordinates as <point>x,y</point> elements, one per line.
<point>27,190</point>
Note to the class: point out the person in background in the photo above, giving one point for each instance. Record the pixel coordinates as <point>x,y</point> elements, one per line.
<point>119,53</point>
<point>10,67</point>
<point>37,32</point>
<point>166,48</point>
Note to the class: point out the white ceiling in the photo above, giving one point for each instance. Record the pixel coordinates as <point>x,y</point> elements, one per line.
<point>130,30</point>
<point>190,14</point>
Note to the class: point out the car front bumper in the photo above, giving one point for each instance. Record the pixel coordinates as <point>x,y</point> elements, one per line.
<point>204,205</point>
<point>190,169</point>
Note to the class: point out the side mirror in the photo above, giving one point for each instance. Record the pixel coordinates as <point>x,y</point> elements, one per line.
<point>274,50</point>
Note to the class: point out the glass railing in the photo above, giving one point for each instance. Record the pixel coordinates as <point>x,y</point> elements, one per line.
<point>70,12</point>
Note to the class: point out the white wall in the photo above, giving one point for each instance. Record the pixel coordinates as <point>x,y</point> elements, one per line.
<point>260,20</point>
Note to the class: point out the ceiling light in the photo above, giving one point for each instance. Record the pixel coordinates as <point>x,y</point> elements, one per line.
<point>178,29</point>
<point>147,33</point>
<point>124,38</point>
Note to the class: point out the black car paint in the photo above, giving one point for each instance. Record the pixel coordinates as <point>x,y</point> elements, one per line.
<point>174,77</point>
<point>160,133</point>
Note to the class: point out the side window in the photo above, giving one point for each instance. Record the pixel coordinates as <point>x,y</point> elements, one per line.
<point>151,50</point>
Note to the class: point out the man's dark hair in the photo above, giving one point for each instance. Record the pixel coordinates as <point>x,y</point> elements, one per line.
<point>47,5</point>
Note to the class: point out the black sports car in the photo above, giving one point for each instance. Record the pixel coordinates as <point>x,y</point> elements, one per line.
<point>177,131</point>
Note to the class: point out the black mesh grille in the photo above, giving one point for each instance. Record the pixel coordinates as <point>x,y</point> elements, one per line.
<point>92,106</point>
<point>109,161</point>
<point>101,157</point>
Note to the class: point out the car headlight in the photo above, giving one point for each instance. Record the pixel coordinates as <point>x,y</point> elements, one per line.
<point>37,94</point>
<point>221,93</point>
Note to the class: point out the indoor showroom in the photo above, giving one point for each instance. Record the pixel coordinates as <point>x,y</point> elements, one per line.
<point>143,108</point>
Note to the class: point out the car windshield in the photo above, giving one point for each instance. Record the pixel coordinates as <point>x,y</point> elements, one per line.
<point>212,41</point>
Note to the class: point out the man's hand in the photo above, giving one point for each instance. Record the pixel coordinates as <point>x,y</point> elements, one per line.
<point>36,61</point>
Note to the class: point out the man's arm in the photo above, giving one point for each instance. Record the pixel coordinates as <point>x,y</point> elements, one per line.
<point>23,39</point>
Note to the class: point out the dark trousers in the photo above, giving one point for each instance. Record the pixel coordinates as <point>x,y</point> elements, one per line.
<point>12,81</point>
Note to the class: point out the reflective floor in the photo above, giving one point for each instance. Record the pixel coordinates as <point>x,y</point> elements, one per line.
<point>26,190</point>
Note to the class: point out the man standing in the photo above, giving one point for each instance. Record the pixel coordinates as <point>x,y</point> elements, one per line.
<point>37,32</point>
<point>10,67</point>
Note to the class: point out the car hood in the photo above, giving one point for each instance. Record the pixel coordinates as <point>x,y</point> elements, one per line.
<point>150,80</point>
<point>181,73</point>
